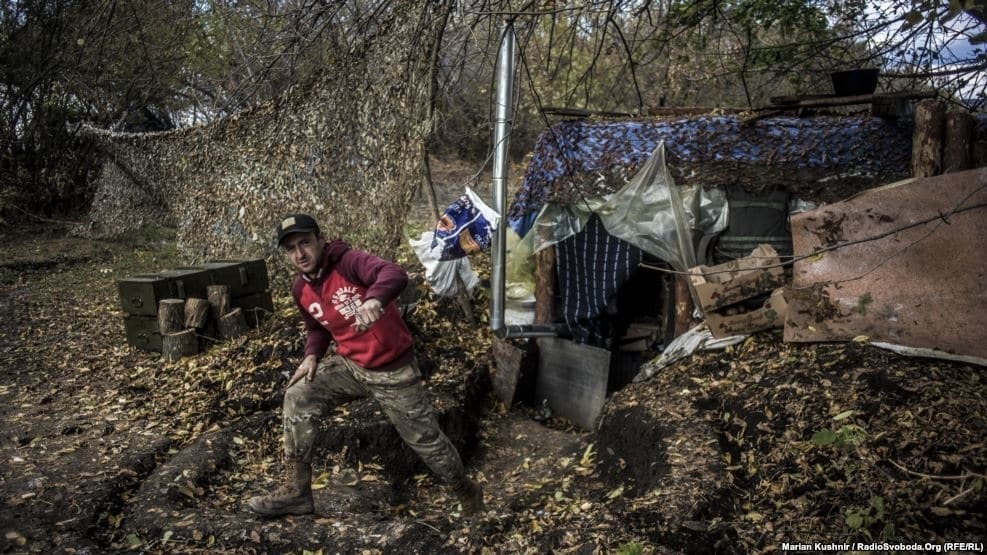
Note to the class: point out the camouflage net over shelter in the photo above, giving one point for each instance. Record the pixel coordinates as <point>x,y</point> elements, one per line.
<point>346,148</point>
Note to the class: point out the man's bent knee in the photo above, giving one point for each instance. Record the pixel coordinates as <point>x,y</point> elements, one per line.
<point>300,400</point>
<point>292,396</point>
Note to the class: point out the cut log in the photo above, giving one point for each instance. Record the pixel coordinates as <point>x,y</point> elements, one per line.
<point>930,119</point>
<point>171,316</point>
<point>177,345</point>
<point>957,146</point>
<point>545,286</point>
<point>232,324</point>
<point>196,313</point>
<point>219,300</point>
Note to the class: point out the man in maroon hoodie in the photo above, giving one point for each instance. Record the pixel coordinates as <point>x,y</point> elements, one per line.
<point>348,296</point>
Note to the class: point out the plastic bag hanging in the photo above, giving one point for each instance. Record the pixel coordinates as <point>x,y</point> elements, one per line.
<point>466,227</point>
<point>441,274</point>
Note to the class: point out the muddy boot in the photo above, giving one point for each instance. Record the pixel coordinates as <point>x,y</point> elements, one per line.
<point>470,495</point>
<point>294,497</point>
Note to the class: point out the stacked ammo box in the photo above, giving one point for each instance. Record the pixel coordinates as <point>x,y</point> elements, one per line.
<point>139,295</point>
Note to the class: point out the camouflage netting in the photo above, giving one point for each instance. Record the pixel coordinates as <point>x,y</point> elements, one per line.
<point>823,158</point>
<point>346,148</point>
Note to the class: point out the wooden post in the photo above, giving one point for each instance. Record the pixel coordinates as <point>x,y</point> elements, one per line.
<point>171,316</point>
<point>545,286</point>
<point>176,345</point>
<point>683,305</point>
<point>505,374</point>
<point>927,139</point>
<point>232,324</point>
<point>196,312</point>
<point>957,147</point>
<point>219,300</point>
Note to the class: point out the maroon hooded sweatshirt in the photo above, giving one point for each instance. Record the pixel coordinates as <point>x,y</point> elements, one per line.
<point>328,303</point>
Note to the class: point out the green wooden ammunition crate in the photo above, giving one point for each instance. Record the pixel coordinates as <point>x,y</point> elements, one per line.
<point>140,294</point>
<point>255,307</point>
<point>142,332</point>
<point>243,277</point>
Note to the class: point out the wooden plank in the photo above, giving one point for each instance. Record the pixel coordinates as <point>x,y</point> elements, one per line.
<point>545,286</point>
<point>504,377</point>
<point>814,101</point>
<point>794,99</point>
<point>580,113</point>
<point>683,305</point>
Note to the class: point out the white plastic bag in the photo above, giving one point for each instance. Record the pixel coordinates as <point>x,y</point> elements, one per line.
<point>441,274</point>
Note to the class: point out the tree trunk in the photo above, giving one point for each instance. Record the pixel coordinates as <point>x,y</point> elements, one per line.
<point>196,313</point>
<point>927,139</point>
<point>219,300</point>
<point>956,152</point>
<point>545,286</point>
<point>232,324</point>
<point>171,316</point>
<point>176,345</point>
<point>462,295</point>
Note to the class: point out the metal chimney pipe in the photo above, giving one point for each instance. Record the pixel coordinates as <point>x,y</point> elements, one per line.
<point>502,135</point>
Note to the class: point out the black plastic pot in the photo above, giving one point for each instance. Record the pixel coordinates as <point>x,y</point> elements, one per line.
<point>854,82</point>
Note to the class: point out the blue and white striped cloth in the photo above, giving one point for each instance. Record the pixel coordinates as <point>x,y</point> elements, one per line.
<point>591,266</point>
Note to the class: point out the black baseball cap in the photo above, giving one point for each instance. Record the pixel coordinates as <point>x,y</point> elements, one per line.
<point>296,223</point>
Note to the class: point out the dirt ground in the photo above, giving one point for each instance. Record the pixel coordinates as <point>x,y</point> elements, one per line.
<point>105,448</point>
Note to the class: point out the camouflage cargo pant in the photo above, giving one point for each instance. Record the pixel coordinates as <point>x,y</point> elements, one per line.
<point>400,394</point>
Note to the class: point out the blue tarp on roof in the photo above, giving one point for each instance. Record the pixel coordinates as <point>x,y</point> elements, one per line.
<point>574,153</point>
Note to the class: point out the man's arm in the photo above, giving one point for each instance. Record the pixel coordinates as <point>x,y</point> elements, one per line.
<point>383,279</point>
<point>317,340</point>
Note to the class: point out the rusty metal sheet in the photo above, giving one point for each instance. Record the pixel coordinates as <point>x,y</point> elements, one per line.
<point>915,284</point>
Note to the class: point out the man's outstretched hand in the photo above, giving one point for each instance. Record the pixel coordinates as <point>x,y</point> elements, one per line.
<point>368,313</point>
<point>305,370</point>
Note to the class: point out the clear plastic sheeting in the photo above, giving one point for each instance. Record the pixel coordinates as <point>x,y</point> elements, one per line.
<point>520,266</point>
<point>441,274</point>
<point>556,223</point>
<point>797,206</point>
<point>650,212</point>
